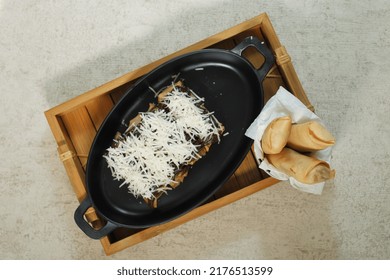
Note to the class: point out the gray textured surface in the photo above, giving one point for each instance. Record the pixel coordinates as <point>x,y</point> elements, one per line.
<point>51,51</point>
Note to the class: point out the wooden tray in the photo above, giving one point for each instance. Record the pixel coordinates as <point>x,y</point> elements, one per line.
<point>75,122</point>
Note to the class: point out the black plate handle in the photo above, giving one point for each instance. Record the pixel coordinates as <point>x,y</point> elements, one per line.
<point>85,226</point>
<point>252,41</point>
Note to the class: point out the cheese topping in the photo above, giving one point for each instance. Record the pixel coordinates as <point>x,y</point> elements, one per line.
<point>150,153</point>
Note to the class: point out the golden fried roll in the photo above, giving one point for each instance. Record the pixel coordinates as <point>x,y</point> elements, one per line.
<point>310,136</point>
<point>305,169</point>
<point>276,135</point>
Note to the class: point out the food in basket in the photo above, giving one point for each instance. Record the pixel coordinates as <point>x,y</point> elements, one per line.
<point>309,136</point>
<point>275,135</point>
<point>305,169</point>
<point>156,152</point>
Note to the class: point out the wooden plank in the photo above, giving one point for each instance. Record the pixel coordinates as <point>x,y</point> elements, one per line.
<point>229,187</point>
<point>121,233</point>
<point>227,44</point>
<point>272,82</point>
<point>248,172</point>
<point>71,163</point>
<point>117,93</point>
<point>74,170</point>
<point>81,131</point>
<point>99,108</point>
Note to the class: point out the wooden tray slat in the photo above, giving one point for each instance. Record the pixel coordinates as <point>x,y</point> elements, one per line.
<point>81,131</point>
<point>248,172</point>
<point>117,93</point>
<point>272,83</point>
<point>227,44</point>
<point>229,187</point>
<point>98,109</point>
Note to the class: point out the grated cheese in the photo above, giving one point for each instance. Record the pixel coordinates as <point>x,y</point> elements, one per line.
<point>149,154</point>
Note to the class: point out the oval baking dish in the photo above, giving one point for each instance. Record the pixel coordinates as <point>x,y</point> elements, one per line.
<point>232,89</point>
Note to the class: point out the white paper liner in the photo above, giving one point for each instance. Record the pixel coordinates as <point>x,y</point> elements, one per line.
<point>283,103</point>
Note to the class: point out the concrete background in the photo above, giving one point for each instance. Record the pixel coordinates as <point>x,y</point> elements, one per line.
<point>51,51</point>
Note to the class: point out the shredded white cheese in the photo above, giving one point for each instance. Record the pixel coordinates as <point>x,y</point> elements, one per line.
<point>150,152</point>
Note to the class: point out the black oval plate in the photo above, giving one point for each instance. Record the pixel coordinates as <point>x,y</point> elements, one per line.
<point>231,88</point>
